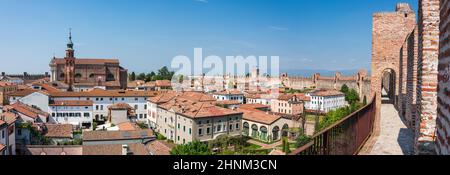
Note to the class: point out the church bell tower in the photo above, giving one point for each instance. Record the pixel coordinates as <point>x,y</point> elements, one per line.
<point>70,64</point>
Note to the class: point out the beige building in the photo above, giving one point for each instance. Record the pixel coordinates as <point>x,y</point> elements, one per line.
<point>289,104</point>
<point>264,126</point>
<point>166,96</point>
<point>6,88</point>
<point>184,121</point>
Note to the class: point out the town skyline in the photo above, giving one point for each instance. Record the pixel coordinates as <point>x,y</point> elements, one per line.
<point>153,42</point>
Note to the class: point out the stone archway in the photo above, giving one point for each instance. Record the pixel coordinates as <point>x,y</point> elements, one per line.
<point>285,130</point>
<point>388,87</point>
<point>275,133</point>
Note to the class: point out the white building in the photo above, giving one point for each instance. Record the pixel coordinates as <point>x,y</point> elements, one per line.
<point>258,98</point>
<point>325,100</point>
<point>78,113</point>
<point>7,134</point>
<point>103,98</point>
<point>229,95</point>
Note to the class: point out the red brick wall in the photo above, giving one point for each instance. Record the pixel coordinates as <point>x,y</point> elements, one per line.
<point>443,120</point>
<point>427,76</point>
<point>411,83</point>
<point>390,31</point>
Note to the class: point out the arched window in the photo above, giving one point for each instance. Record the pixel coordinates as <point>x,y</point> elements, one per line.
<point>263,135</point>
<point>285,130</point>
<point>246,128</point>
<point>77,75</point>
<point>255,132</point>
<point>91,75</point>
<point>62,75</point>
<point>275,133</point>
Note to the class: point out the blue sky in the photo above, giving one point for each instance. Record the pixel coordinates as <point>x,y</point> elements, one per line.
<point>147,34</point>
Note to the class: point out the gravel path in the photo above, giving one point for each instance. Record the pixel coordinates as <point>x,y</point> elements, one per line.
<point>395,138</point>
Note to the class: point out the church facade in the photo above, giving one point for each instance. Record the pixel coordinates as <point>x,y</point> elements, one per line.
<point>80,74</point>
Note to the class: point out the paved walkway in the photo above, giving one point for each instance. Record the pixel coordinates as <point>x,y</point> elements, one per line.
<point>264,145</point>
<point>395,138</point>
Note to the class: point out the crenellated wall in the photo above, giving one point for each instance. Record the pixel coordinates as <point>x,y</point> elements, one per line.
<point>360,82</point>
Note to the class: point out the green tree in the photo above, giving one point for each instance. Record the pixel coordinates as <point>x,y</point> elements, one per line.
<point>302,140</point>
<point>192,148</point>
<point>165,74</point>
<point>141,76</point>
<point>352,96</point>
<point>344,89</point>
<point>132,76</point>
<point>149,76</point>
<point>286,146</point>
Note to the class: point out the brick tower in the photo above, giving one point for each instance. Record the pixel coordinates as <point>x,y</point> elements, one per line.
<point>70,64</point>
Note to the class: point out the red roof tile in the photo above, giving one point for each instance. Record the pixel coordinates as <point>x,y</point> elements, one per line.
<point>88,61</point>
<point>59,130</point>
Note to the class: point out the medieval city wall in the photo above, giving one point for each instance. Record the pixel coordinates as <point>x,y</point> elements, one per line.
<point>360,82</point>
<point>427,76</point>
<point>443,112</point>
<point>411,80</point>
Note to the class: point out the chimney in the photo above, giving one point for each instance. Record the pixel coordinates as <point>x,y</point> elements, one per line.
<point>125,150</point>
<point>3,73</point>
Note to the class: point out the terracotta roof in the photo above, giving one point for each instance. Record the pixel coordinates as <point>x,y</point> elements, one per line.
<point>150,84</point>
<point>117,135</point>
<point>128,126</point>
<point>197,96</point>
<point>159,147</point>
<point>114,149</point>
<point>325,92</point>
<point>28,110</point>
<point>22,87</point>
<point>22,93</point>
<point>229,92</point>
<point>303,97</point>
<point>135,83</point>
<point>163,83</point>
<point>163,97</point>
<point>253,106</point>
<point>2,122</point>
<point>46,87</point>
<point>8,118</point>
<point>189,95</point>
<point>71,103</point>
<point>285,97</point>
<point>2,83</point>
<point>59,130</point>
<point>120,106</point>
<point>86,61</point>
<point>259,116</point>
<point>105,93</point>
<point>54,150</point>
<point>193,109</point>
<point>228,102</point>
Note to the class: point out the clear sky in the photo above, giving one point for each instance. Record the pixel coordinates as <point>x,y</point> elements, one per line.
<point>147,34</point>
